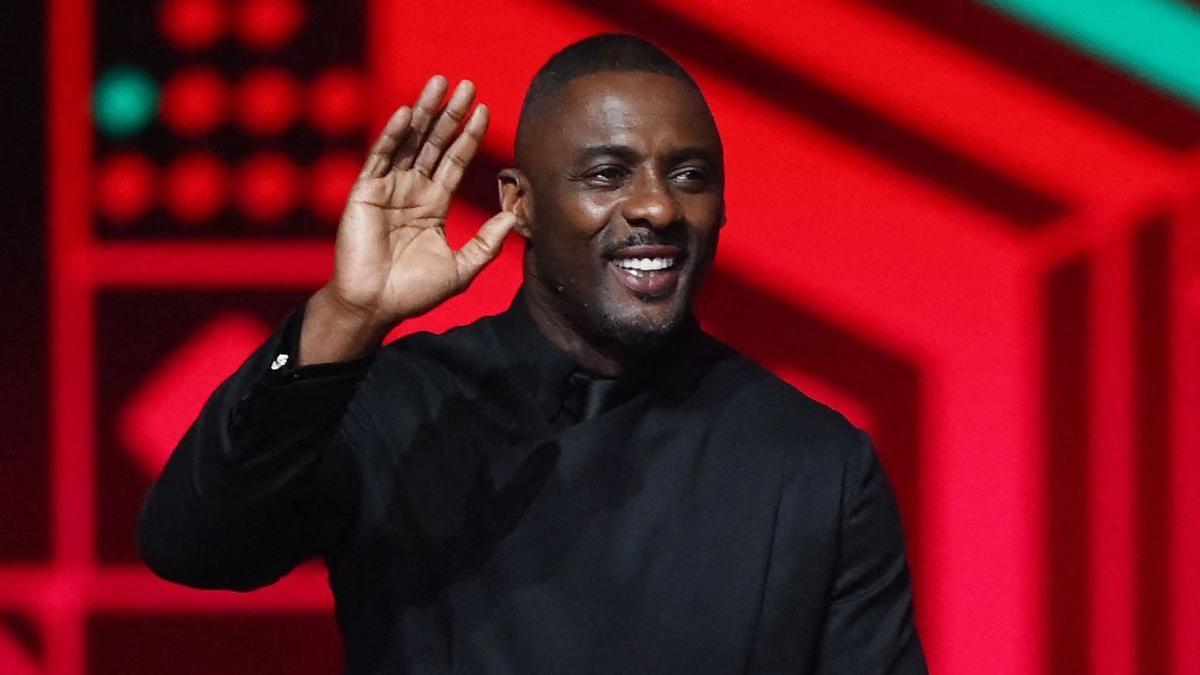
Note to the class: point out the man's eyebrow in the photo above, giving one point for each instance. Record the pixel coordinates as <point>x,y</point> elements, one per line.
<point>623,152</point>
<point>628,154</point>
<point>688,153</point>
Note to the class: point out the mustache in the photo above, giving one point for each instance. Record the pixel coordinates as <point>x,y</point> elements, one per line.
<point>647,238</point>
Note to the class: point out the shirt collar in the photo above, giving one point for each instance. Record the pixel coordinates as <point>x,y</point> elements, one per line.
<point>537,363</point>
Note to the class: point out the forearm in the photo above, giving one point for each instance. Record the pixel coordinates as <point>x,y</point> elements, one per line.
<point>242,526</point>
<point>335,332</point>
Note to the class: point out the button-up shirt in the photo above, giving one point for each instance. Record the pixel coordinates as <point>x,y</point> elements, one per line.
<point>483,507</point>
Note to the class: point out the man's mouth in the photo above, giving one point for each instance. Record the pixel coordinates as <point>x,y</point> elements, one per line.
<point>636,265</point>
<point>648,271</point>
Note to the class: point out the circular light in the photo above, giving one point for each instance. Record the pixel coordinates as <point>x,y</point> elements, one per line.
<point>194,101</point>
<point>268,101</point>
<point>335,101</point>
<point>192,24</point>
<point>269,24</point>
<point>196,187</point>
<point>329,181</point>
<point>125,184</point>
<point>124,101</point>
<point>267,187</point>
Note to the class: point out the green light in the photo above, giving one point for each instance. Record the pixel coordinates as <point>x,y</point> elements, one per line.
<point>1157,40</point>
<point>124,101</point>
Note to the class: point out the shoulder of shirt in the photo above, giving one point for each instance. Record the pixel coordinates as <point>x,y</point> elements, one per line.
<point>455,350</point>
<point>763,396</point>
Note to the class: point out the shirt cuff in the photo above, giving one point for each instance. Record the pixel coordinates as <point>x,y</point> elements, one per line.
<point>288,397</point>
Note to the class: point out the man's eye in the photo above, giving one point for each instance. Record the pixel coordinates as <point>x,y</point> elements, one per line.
<point>607,174</point>
<point>690,175</point>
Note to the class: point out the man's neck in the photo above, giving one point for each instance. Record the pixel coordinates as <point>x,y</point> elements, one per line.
<point>602,358</point>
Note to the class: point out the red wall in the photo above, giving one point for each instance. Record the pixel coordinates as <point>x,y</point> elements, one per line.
<point>979,244</point>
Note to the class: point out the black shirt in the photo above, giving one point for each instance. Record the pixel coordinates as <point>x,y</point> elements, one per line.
<point>484,506</point>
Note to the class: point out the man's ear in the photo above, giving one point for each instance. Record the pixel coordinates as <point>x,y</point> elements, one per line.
<point>514,197</point>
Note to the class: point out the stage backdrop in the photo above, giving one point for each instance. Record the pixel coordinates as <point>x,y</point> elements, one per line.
<point>973,227</point>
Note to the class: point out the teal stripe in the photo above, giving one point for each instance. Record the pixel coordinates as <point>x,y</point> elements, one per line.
<point>1156,40</point>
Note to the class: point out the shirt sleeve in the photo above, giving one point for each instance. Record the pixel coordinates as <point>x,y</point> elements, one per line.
<point>869,625</point>
<point>262,480</point>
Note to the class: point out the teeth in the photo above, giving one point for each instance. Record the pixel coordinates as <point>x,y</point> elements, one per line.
<point>644,264</point>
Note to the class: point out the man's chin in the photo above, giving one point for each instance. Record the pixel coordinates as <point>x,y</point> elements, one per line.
<point>641,331</point>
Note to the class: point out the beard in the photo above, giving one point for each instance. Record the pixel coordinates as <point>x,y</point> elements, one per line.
<point>634,335</point>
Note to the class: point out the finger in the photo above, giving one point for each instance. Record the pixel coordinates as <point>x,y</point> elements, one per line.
<point>484,246</point>
<point>381,154</point>
<point>445,127</point>
<point>423,113</point>
<point>454,163</point>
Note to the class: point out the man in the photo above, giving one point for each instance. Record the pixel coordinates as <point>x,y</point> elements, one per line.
<point>584,483</point>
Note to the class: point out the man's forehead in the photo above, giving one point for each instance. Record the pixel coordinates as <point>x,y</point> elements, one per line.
<point>615,106</point>
<point>621,93</point>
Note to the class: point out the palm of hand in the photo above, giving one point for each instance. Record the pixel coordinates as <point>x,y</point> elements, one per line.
<point>393,260</point>
<point>396,257</point>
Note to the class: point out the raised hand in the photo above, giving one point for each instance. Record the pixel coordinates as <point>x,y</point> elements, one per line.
<point>392,259</point>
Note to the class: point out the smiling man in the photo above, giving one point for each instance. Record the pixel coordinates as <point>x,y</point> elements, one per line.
<point>585,483</point>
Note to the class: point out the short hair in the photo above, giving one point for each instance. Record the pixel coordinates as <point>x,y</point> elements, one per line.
<point>607,52</point>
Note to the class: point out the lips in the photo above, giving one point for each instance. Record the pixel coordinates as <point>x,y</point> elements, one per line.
<point>648,270</point>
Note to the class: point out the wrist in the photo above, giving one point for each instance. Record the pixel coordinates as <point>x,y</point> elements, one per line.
<point>334,331</point>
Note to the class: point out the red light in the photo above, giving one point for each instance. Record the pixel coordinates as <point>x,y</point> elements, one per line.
<point>194,101</point>
<point>268,101</point>
<point>196,186</point>
<point>166,403</point>
<point>335,101</point>
<point>269,24</point>
<point>267,187</point>
<point>192,24</point>
<point>125,186</point>
<point>329,181</point>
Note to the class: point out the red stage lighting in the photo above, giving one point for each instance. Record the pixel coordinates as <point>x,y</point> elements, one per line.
<point>163,406</point>
<point>125,184</point>
<point>335,101</point>
<point>196,186</point>
<point>329,182</point>
<point>194,101</point>
<point>268,24</point>
<point>192,24</point>
<point>267,187</point>
<point>268,101</point>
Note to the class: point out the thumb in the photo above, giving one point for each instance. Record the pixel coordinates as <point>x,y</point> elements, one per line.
<point>484,246</point>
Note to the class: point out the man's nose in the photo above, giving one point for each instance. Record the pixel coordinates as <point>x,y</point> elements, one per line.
<point>650,202</point>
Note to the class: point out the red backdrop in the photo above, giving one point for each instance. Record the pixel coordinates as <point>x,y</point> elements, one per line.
<point>981,245</point>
